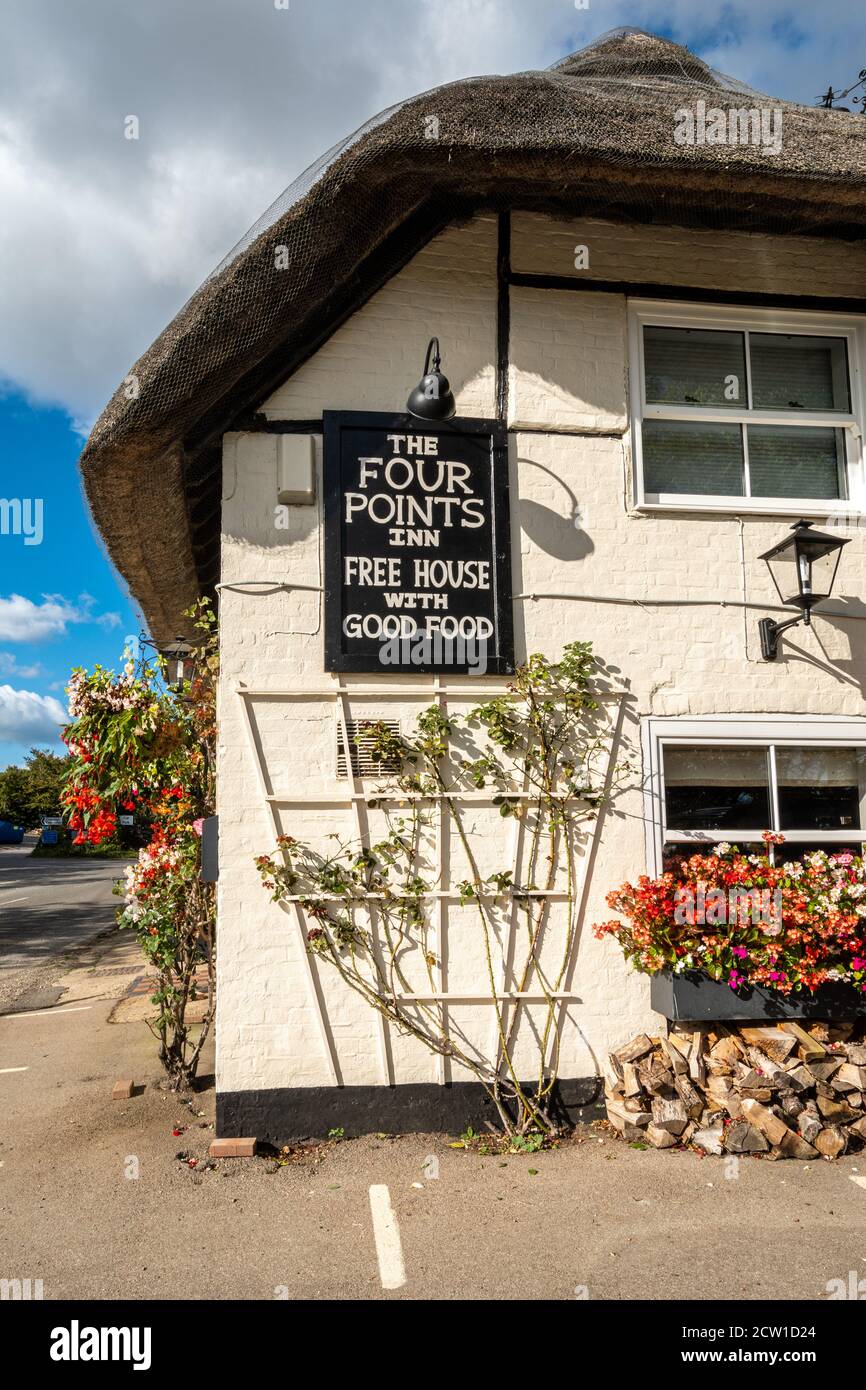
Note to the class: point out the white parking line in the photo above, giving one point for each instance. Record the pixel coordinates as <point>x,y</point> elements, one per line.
<point>4,1071</point>
<point>51,1013</point>
<point>861,1182</point>
<point>4,902</point>
<point>386,1232</point>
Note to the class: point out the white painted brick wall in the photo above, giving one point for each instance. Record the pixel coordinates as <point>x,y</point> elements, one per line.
<point>568,371</point>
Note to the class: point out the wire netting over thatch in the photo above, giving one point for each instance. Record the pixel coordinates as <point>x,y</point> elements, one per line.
<point>592,136</point>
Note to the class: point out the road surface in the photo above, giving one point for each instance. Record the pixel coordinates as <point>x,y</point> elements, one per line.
<point>49,905</point>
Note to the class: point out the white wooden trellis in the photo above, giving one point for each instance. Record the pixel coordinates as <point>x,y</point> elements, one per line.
<point>506,997</point>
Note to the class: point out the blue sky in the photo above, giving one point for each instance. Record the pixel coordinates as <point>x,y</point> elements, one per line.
<point>60,602</point>
<point>103,238</point>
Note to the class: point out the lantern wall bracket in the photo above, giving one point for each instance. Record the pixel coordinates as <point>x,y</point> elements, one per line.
<point>770,632</point>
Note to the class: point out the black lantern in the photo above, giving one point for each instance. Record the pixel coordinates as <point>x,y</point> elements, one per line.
<point>178,657</point>
<point>803,569</point>
<point>432,398</point>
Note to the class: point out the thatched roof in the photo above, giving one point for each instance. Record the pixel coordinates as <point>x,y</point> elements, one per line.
<point>593,135</point>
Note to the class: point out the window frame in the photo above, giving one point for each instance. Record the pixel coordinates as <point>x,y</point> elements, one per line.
<point>820,731</point>
<point>733,318</point>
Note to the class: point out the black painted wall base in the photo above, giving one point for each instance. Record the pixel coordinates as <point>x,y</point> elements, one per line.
<point>286,1115</point>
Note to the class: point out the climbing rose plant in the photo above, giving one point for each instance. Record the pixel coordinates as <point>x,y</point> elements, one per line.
<point>545,753</point>
<point>141,746</point>
<point>791,926</point>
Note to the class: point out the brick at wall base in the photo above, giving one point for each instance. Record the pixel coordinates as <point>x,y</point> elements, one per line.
<point>232,1148</point>
<point>286,1114</point>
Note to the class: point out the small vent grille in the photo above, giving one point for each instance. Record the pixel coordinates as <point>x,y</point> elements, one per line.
<point>361,748</point>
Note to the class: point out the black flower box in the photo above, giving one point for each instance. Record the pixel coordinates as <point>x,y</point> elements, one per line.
<point>698,999</point>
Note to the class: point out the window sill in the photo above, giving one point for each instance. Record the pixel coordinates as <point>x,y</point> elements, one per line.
<point>849,512</point>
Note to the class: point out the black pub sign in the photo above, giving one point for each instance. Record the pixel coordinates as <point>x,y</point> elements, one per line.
<point>417,545</point>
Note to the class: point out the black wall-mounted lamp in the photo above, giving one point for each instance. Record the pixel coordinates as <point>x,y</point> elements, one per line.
<point>179,659</point>
<point>432,398</point>
<point>803,569</point>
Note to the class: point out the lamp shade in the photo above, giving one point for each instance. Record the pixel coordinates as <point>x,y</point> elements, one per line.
<point>178,657</point>
<point>803,566</point>
<point>432,398</point>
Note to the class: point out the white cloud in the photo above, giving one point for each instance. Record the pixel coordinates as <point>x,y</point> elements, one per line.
<point>28,718</point>
<point>22,620</point>
<point>10,666</point>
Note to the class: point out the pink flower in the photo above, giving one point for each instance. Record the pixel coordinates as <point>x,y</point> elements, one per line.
<point>739,951</point>
<point>198,826</point>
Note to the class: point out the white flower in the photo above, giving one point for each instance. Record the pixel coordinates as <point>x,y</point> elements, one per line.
<point>722,848</point>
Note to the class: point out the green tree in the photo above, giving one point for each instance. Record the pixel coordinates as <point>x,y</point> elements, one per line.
<point>30,792</point>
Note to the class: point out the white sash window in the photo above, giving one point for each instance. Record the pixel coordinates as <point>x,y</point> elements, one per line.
<point>746,410</point>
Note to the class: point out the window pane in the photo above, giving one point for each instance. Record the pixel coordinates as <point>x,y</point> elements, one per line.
<point>793,854</point>
<point>794,372</point>
<point>695,366</point>
<point>716,788</point>
<point>787,461</point>
<point>681,456</point>
<point>821,788</point>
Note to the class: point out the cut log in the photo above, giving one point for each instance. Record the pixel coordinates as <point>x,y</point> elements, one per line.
<point>690,1098</point>
<point>638,1047</point>
<point>857,1054</point>
<point>769,1124</point>
<point>634,1105</point>
<point>675,1058</point>
<point>755,1093</point>
<point>630,1079</point>
<point>617,1110</point>
<point>858,1127</point>
<point>836,1109</point>
<point>851,1076</point>
<point>726,1050</point>
<point>769,1070</point>
<point>795,1146</point>
<point>697,1070</point>
<point>820,1032</point>
<point>800,1078</point>
<point>743,1138</point>
<point>831,1142</point>
<point>791,1105</point>
<point>615,1066</point>
<point>670,1115</point>
<point>823,1070</point>
<point>660,1138</point>
<point>809,1127</point>
<point>810,1048</point>
<point>656,1078</point>
<point>773,1041</point>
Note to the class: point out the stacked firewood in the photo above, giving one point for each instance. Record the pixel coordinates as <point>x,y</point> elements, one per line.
<point>785,1091</point>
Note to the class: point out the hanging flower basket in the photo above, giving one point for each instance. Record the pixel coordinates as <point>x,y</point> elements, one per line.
<point>734,936</point>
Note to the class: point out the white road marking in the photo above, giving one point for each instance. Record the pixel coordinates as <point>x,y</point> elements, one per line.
<point>861,1182</point>
<point>5,1070</point>
<point>4,902</point>
<point>386,1232</point>
<point>51,1013</point>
